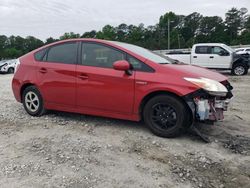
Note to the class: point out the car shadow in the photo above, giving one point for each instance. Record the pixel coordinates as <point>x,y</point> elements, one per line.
<point>68,117</point>
<point>65,118</point>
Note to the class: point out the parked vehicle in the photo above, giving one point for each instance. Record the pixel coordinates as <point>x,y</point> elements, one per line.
<point>215,56</point>
<point>7,66</point>
<point>119,80</point>
<point>242,50</point>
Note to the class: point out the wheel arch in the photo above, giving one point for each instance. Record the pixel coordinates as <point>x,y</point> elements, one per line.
<point>24,86</point>
<point>240,61</point>
<point>162,92</point>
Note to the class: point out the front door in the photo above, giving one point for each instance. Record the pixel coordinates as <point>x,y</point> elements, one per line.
<point>99,86</point>
<point>220,58</point>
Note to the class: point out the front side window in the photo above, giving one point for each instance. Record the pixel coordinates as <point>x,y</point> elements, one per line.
<point>218,50</point>
<point>248,50</point>
<point>98,55</point>
<point>202,50</point>
<point>63,53</point>
<point>152,56</point>
<point>138,65</point>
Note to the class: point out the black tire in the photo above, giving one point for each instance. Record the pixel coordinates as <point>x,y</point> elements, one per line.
<point>37,106</point>
<point>240,69</point>
<point>171,123</point>
<point>11,70</point>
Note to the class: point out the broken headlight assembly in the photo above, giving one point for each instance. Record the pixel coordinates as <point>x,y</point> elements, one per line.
<point>209,102</point>
<point>213,87</point>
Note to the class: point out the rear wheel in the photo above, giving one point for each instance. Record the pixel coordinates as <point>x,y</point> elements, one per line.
<point>239,69</point>
<point>165,115</point>
<point>32,101</point>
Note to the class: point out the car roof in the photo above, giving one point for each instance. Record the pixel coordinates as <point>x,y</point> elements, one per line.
<point>75,40</point>
<point>209,44</point>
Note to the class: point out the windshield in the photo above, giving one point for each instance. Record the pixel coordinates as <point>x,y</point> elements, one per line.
<point>228,48</point>
<point>152,56</point>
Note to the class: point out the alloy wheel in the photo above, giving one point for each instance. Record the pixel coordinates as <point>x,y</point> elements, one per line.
<point>239,70</point>
<point>163,116</point>
<point>32,101</point>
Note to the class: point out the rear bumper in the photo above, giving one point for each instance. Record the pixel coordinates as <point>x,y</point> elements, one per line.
<point>16,88</point>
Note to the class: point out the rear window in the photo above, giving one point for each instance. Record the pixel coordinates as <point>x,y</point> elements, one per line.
<point>202,50</point>
<point>63,53</point>
<point>39,56</point>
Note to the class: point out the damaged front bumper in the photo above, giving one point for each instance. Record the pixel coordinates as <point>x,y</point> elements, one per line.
<point>206,107</point>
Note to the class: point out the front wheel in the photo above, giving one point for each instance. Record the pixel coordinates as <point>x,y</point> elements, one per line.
<point>165,115</point>
<point>11,70</point>
<point>32,101</point>
<point>239,69</point>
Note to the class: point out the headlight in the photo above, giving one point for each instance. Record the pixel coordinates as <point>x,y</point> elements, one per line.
<point>211,86</point>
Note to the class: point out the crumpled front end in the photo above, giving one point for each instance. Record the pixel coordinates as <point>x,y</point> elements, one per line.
<point>207,107</point>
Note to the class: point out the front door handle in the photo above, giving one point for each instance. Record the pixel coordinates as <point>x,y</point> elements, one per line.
<point>83,76</point>
<point>43,70</point>
<point>211,57</point>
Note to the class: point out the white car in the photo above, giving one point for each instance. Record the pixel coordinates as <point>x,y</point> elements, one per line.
<point>8,66</point>
<point>214,56</point>
<point>242,50</point>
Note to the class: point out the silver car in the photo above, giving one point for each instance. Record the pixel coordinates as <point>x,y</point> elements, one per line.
<point>8,66</point>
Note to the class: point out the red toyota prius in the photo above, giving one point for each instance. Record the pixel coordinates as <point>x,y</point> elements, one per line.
<point>119,80</point>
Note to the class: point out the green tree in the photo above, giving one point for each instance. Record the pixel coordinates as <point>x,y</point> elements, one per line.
<point>211,29</point>
<point>50,40</point>
<point>235,22</point>
<point>70,35</point>
<point>108,32</point>
<point>91,34</point>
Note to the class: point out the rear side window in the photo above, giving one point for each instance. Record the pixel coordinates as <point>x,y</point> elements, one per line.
<point>98,55</point>
<point>63,53</point>
<point>39,56</point>
<point>202,50</point>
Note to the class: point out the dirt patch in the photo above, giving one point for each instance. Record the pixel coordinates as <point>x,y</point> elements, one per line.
<point>72,150</point>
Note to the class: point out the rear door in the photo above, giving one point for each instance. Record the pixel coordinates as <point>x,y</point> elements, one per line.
<point>201,56</point>
<point>57,73</point>
<point>99,86</point>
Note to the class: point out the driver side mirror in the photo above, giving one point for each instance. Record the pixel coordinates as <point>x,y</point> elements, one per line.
<point>223,53</point>
<point>121,65</point>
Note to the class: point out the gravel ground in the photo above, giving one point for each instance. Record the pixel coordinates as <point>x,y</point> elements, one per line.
<point>71,150</point>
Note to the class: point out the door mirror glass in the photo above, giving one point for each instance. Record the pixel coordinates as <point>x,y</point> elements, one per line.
<point>121,65</point>
<point>223,53</point>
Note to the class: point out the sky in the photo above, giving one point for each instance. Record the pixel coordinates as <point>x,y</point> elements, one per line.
<point>45,18</point>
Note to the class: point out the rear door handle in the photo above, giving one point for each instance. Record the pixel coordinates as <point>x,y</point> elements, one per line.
<point>43,70</point>
<point>211,57</point>
<point>83,76</point>
<point>194,56</point>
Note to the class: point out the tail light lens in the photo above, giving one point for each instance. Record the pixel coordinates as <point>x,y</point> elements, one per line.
<point>17,64</point>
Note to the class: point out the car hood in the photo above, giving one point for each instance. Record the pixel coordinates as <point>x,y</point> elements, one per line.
<point>2,62</point>
<point>194,72</point>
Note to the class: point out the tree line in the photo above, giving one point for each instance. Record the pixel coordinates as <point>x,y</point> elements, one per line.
<point>184,31</point>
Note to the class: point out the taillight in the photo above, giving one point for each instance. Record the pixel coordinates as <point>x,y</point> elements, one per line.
<point>17,64</point>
